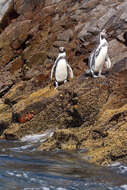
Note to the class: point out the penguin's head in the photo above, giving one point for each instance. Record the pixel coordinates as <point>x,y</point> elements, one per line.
<point>103,33</point>
<point>61,49</point>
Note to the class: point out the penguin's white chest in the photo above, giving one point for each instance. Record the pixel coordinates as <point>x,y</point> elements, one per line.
<point>61,71</point>
<point>100,59</point>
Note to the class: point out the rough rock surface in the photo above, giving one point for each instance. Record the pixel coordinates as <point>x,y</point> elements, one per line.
<point>85,113</point>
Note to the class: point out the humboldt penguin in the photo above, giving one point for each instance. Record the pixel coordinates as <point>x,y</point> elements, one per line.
<point>60,68</point>
<point>99,56</point>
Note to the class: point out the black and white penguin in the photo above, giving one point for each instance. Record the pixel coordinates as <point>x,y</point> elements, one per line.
<point>60,68</point>
<point>99,56</point>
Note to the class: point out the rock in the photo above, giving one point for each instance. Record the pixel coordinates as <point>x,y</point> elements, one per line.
<point>9,135</point>
<point>68,141</point>
<point>53,53</point>
<point>125,37</point>
<point>16,93</point>
<point>12,34</point>
<point>52,2</point>
<point>103,20</point>
<point>58,44</point>
<point>65,36</point>
<point>34,98</point>
<point>5,82</point>
<point>15,65</point>
<point>124,16</point>
<point>84,113</point>
<point>83,30</point>
<point>117,50</point>
<point>12,38</point>
<point>5,117</point>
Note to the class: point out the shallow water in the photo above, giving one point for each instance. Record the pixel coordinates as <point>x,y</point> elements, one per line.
<point>23,167</point>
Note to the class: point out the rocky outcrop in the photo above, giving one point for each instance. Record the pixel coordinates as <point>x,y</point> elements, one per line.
<point>85,113</point>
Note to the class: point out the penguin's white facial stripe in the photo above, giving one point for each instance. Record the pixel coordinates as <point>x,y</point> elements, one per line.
<point>103,31</point>
<point>103,34</point>
<point>61,49</point>
<point>103,42</point>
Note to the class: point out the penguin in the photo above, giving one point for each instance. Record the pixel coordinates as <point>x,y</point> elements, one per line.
<point>99,57</point>
<point>60,68</point>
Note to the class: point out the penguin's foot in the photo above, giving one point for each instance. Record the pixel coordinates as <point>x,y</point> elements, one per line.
<point>56,84</point>
<point>95,76</point>
<point>101,76</point>
<point>65,81</point>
